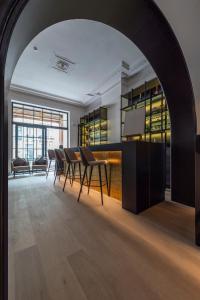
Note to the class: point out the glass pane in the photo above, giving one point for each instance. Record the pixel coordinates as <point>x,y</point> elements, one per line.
<point>38,116</point>
<point>20,131</point>
<point>25,131</point>
<point>65,138</point>
<point>18,114</point>
<point>20,153</point>
<point>30,132</point>
<point>47,117</point>
<point>28,115</point>
<point>54,139</point>
<point>13,155</point>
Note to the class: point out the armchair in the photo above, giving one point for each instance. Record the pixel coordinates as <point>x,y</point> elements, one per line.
<point>20,165</point>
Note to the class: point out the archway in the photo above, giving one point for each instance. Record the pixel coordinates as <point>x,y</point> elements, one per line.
<point>143,23</point>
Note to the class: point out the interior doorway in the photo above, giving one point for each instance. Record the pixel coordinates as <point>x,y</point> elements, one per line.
<point>141,21</point>
<point>29,141</point>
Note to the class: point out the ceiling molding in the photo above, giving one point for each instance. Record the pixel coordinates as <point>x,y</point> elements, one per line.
<point>95,98</point>
<point>135,68</point>
<point>138,66</point>
<point>33,92</point>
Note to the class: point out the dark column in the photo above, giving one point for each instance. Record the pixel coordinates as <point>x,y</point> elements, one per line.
<point>197,196</point>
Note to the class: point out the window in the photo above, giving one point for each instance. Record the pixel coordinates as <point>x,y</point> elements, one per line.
<point>37,129</point>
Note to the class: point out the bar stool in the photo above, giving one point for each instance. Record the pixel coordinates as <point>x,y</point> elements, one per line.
<point>89,161</point>
<point>59,163</point>
<point>72,161</point>
<point>51,157</point>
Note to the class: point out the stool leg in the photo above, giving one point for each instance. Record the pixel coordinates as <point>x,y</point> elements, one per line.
<point>73,176</point>
<point>56,168</point>
<point>79,164</point>
<point>60,168</point>
<point>100,182</point>
<point>110,179</point>
<point>66,177</point>
<point>106,173</point>
<point>70,173</point>
<point>82,182</point>
<point>89,183</point>
<point>48,168</point>
<point>87,178</point>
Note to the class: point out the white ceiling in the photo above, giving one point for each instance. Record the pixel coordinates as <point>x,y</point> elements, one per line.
<point>97,50</point>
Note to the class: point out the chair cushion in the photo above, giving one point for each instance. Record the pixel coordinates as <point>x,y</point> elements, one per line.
<point>98,162</point>
<point>76,161</point>
<point>20,162</point>
<point>40,161</point>
<point>21,168</point>
<point>39,167</point>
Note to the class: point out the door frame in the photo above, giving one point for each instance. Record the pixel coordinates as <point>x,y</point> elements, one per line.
<point>44,134</point>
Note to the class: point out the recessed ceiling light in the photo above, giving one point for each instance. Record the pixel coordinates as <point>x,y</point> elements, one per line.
<point>35,48</point>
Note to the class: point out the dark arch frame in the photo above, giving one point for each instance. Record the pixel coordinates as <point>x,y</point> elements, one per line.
<point>154,37</point>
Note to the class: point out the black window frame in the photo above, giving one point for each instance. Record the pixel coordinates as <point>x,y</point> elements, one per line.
<point>44,127</point>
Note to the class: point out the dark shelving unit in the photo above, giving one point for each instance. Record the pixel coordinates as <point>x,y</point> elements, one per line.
<point>157,121</point>
<point>93,128</point>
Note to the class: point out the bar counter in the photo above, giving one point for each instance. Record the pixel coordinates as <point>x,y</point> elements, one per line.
<point>136,173</point>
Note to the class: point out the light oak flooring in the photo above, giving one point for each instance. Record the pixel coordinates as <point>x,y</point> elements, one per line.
<point>60,250</point>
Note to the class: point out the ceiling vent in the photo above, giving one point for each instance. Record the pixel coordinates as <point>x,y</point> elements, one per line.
<point>92,95</point>
<point>125,65</point>
<point>62,64</point>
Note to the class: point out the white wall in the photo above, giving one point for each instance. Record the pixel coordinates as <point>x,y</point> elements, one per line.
<point>75,113</point>
<point>112,99</point>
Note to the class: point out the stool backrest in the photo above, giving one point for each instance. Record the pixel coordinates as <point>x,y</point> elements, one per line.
<point>70,155</point>
<point>86,155</point>
<point>51,154</point>
<point>59,156</point>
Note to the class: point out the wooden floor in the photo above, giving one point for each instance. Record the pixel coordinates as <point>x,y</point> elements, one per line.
<point>61,250</point>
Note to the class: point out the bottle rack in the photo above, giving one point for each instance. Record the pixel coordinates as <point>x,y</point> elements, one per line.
<point>157,120</point>
<point>93,129</point>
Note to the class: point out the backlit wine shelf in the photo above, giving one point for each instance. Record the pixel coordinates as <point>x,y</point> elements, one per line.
<point>93,128</point>
<point>157,121</point>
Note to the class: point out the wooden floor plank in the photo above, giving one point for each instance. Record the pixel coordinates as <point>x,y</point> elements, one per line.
<point>90,277</point>
<point>29,276</point>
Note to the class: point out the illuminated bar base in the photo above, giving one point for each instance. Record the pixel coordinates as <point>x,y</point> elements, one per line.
<point>136,173</point>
